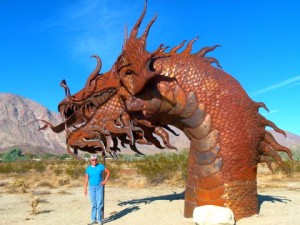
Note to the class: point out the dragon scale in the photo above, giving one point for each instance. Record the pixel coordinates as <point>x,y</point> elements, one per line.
<point>215,177</point>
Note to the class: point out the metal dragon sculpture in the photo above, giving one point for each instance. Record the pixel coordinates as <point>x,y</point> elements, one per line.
<point>145,92</point>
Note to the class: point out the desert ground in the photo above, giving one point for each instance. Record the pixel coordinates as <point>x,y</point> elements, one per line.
<point>139,203</point>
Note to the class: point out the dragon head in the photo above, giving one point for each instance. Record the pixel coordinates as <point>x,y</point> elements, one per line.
<point>100,111</point>
<point>129,74</point>
<point>135,63</point>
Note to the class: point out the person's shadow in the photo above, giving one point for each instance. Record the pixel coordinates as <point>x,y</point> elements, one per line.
<point>134,204</point>
<point>270,198</point>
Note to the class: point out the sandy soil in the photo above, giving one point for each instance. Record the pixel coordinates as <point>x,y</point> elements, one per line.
<point>146,206</point>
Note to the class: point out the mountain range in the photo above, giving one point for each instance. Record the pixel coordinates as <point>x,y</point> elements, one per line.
<point>19,129</point>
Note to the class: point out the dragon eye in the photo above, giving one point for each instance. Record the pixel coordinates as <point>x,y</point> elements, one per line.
<point>129,72</point>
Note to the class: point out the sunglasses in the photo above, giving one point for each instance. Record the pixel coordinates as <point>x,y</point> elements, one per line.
<point>93,159</point>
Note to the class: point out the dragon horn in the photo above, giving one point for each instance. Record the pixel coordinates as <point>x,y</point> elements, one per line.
<point>96,71</point>
<point>63,84</point>
<point>135,29</point>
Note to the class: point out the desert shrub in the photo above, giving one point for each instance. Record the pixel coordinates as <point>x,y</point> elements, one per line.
<point>29,156</point>
<point>13,155</point>
<point>77,162</point>
<point>63,181</point>
<point>39,166</point>
<point>55,162</point>
<point>75,172</point>
<point>16,167</point>
<point>290,167</point>
<point>19,186</point>
<point>114,168</point>
<point>75,169</point>
<point>6,168</point>
<point>22,167</point>
<point>296,152</point>
<point>157,168</point>
<point>48,157</point>
<point>58,171</point>
<point>130,158</point>
<point>19,183</point>
<point>64,156</point>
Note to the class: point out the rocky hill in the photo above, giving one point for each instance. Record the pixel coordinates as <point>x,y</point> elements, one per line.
<point>16,112</point>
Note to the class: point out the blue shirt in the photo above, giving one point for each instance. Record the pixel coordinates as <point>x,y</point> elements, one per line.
<point>95,174</point>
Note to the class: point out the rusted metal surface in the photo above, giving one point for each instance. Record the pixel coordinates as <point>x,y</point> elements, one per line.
<point>144,92</point>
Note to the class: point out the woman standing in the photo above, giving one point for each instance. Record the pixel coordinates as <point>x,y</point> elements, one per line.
<point>94,179</point>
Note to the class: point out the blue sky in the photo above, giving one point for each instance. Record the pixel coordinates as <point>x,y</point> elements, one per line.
<point>43,42</point>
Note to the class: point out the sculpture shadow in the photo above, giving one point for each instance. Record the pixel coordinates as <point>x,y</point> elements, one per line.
<point>270,198</point>
<point>170,197</point>
<point>133,204</point>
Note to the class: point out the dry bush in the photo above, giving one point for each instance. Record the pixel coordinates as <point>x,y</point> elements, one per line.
<point>42,176</point>
<point>75,169</point>
<point>44,179</point>
<point>20,183</point>
<point>290,168</point>
<point>15,167</point>
<point>39,166</point>
<point>18,186</point>
<point>162,167</point>
<point>279,178</point>
<point>58,171</point>
<point>168,169</point>
<point>63,181</point>
<point>114,167</point>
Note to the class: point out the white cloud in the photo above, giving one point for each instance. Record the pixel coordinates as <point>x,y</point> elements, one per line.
<point>294,85</point>
<point>291,82</point>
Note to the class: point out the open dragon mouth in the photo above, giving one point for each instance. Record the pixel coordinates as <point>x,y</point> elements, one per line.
<point>73,109</point>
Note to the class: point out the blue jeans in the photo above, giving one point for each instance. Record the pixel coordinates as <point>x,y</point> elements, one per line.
<point>96,196</point>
